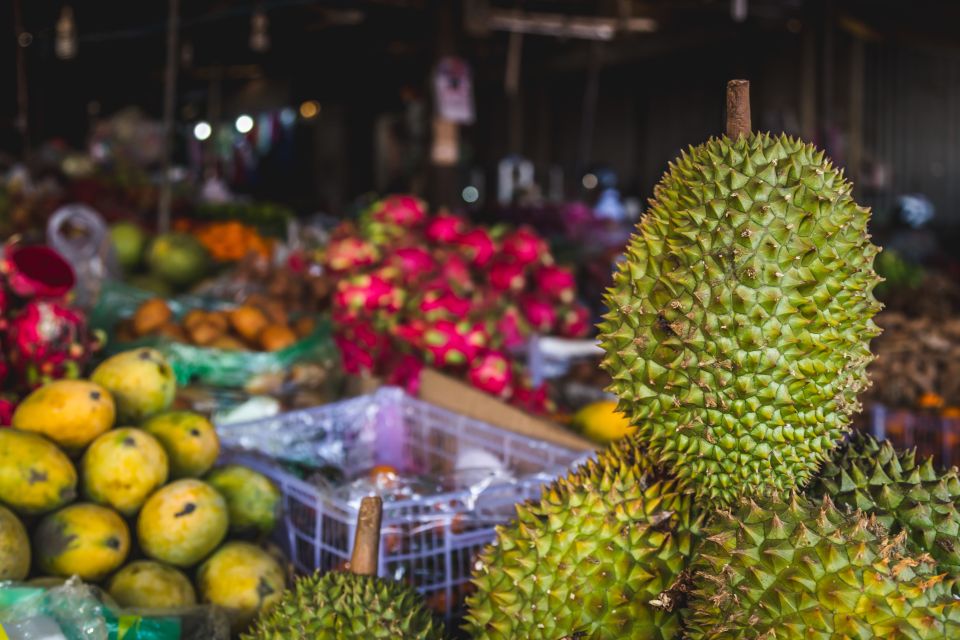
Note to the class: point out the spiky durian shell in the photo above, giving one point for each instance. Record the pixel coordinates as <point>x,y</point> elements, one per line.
<point>345,606</point>
<point>738,325</point>
<point>903,495</point>
<point>594,556</point>
<point>791,569</point>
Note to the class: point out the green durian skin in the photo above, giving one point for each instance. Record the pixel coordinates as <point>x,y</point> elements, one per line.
<point>595,557</point>
<point>739,321</point>
<point>905,496</point>
<point>792,569</point>
<point>345,606</point>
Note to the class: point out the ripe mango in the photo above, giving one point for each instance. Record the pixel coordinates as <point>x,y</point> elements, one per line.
<point>35,476</point>
<point>122,467</point>
<point>70,412</point>
<point>146,584</point>
<point>142,383</point>
<point>83,539</point>
<point>14,547</point>
<point>182,523</point>
<point>243,579</point>
<point>253,501</point>
<point>190,441</point>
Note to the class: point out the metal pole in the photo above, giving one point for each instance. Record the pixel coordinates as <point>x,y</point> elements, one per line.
<point>169,104</point>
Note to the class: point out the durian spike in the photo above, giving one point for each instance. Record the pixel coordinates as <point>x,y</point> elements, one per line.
<point>738,108</point>
<point>366,543</point>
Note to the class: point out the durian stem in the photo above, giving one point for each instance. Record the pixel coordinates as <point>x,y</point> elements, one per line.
<point>738,108</point>
<point>366,543</point>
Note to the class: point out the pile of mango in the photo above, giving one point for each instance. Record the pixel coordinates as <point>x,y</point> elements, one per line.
<point>100,479</point>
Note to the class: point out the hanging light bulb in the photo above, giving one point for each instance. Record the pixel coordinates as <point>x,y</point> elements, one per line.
<point>738,10</point>
<point>259,31</point>
<point>65,45</point>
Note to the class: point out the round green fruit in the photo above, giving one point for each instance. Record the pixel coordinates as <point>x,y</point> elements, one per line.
<point>128,242</point>
<point>179,259</point>
<point>243,579</point>
<point>253,501</point>
<point>122,467</point>
<point>190,441</point>
<point>14,547</point>
<point>182,523</point>
<point>83,539</point>
<point>146,584</point>
<point>142,383</point>
<point>35,475</point>
<point>70,412</point>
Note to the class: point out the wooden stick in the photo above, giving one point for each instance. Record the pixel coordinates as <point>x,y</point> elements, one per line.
<point>366,544</point>
<point>738,108</point>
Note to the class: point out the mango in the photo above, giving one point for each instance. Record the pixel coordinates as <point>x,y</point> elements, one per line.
<point>122,468</point>
<point>253,501</point>
<point>69,412</point>
<point>190,441</point>
<point>146,584</point>
<point>243,579</point>
<point>182,523</point>
<point>14,547</point>
<point>602,423</point>
<point>35,476</point>
<point>83,539</point>
<point>142,383</point>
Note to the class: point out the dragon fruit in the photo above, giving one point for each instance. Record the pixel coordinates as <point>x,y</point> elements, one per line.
<point>574,321</point>
<point>364,294</point>
<point>405,372</point>
<point>413,262</point>
<point>556,282</point>
<point>8,404</point>
<point>455,271</point>
<point>478,246</point>
<point>47,340</point>
<point>526,247</point>
<point>400,210</point>
<point>452,344</point>
<point>36,271</point>
<point>445,228</point>
<point>507,275</point>
<point>539,312</point>
<point>361,347</point>
<point>492,373</point>
<point>441,302</point>
<point>345,254</point>
<point>512,328</point>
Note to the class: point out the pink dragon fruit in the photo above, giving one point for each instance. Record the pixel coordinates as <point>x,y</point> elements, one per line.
<point>478,246</point>
<point>534,400</point>
<point>512,328</point>
<point>405,372</point>
<point>526,247</point>
<point>445,228</point>
<point>452,344</point>
<point>36,271</point>
<point>361,347</point>
<point>410,333</point>
<point>400,210</point>
<point>364,294</point>
<point>454,271</point>
<point>345,254</point>
<point>539,312</point>
<point>441,302</point>
<point>507,275</point>
<point>492,373</point>
<point>574,321</point>
<point>47,340</point>
<point>556,282</point>
<point>413,262</point>
<point>8,404</point>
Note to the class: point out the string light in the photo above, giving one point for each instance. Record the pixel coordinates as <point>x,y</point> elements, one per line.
<point>309,109</point>
<point>65,45</point>
<point>244,123</point>
<point>202,130</point>
<point>259,34</point>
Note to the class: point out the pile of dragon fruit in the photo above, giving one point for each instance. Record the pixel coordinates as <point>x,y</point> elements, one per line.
<point>415,289</point>
<point>42,337</point>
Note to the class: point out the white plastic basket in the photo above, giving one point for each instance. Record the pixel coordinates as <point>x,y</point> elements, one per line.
<point>429,541</point>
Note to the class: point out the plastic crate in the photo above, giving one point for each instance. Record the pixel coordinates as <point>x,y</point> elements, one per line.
<point>429,541</point>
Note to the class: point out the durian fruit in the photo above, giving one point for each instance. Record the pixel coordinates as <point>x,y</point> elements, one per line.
<point>595,557</point>
<point>903,495</point>
<point>785,568</point>
<point>356,605</point>
<point>738,324</point>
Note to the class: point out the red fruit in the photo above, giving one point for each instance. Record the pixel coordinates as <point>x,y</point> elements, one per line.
<point>401,210</point>
<point>478,246</point>
<point>532,400</point>
<point>511,328</point>
<point>36,271</point>
<point>364,294</point>
<point>574,322</point>
<point>455,271</point>
<point>438,303</point>
<point>361,347</point>
<point>46,341</point>
<point>507,275</point>
<point>445,228</point>
<point>405,372</point>
<point>539,312</point>
<point>349,253</point>
<point>7,406</point>
<point>413,262</point>
<point>556,282</point>
<point>452,344</point>
<point>526,247</point>
<point>492,373</point>
<point>411,333</point>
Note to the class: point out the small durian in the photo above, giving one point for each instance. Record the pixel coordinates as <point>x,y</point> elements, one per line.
<point>354,605</point>
<point>595,557</point>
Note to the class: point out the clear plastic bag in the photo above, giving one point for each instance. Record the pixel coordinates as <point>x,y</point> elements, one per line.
<point>81,236</point>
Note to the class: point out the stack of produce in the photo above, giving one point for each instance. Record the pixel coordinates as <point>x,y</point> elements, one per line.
<point>737,338</point>
<point>229,241</point>
<point>136,509</point>
<point>165,264</point>
<point>415,289</point>
<point>246,327</point>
